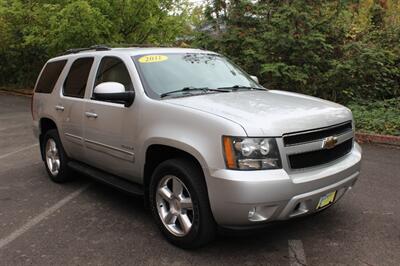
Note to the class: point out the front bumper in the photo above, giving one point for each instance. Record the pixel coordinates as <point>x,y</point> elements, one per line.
<point>276,194</point>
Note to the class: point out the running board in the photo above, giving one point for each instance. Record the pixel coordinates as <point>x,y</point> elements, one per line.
<point>106,178</point>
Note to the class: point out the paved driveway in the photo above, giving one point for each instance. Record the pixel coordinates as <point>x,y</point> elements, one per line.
<point>85,222</point>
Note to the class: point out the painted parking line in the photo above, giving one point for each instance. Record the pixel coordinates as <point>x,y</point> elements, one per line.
<point>297,256</point>
<point>19,150</point>
<point>13,115</point>
<point>31,223</point>
<point>13,127</point>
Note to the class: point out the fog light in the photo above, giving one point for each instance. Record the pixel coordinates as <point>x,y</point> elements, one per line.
<point>252,212</point>
<point>261,213</point>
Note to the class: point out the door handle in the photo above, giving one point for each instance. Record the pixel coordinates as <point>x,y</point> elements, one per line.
<point>60,108</point>
<point>90,114</point>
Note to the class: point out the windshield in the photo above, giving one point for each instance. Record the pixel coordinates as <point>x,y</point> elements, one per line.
<point>164,73</point>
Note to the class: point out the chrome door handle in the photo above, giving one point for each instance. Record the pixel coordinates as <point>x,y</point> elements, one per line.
<point>60,108</point>
<point>90,114</point>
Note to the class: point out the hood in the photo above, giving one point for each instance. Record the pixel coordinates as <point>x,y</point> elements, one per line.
<point>269,113</point>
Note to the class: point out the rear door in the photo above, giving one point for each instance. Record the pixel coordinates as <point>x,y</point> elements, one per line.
<point>71,106</point>
<point>110,127</point>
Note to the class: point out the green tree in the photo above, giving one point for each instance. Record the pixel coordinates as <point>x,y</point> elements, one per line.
<point>339,50</point>
<point>33,31</point>
<point>78,24</point>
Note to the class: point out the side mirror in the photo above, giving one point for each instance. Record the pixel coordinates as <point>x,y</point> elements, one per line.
<point>113,92</point>
<point>254,78</point>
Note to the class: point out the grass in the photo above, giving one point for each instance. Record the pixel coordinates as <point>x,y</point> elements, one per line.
<point>380,117</point>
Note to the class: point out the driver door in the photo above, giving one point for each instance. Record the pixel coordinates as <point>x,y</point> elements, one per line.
<point>109,127</point>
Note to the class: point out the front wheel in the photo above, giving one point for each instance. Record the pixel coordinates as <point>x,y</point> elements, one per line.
<point>179,203</point>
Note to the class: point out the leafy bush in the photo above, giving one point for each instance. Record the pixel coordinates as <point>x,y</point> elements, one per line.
<point>346,50</point>
<point>31,32</point>
<point>382,117</point>
<point>338,50</point>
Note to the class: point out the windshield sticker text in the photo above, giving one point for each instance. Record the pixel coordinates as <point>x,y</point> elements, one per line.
<point>153,58</point>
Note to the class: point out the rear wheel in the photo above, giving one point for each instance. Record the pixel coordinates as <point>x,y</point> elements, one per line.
<point>55,158</point>
<point>179,203</point>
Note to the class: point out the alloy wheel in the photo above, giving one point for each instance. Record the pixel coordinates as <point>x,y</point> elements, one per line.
<point>174,205</point>
<point>52,157</point>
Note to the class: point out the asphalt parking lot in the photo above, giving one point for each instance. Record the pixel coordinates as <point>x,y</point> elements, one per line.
<point>87,223</point>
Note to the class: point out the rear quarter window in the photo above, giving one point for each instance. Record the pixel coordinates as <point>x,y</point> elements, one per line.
<point>49,76</point>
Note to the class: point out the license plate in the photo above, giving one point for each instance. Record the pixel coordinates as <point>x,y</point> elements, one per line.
<point>326,200</point>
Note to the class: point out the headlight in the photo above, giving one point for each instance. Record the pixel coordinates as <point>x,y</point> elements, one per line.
<point>251,153</point>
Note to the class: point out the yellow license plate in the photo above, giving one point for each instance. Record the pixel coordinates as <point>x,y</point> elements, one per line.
<point>326,200</point>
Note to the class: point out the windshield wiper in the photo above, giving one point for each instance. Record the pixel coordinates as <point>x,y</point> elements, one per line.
<point>240,87</point>
<point>189,89</point>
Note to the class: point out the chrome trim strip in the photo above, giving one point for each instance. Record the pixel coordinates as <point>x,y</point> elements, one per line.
<point>73,136</point>
<point>315,145</point>
<point>110,150</point>
<point>314,130</point>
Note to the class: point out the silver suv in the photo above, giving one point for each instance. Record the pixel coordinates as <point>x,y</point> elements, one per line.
<point>200,139</point>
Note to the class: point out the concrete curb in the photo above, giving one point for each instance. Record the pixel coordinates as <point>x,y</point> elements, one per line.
<point>378,139</point>
<point>26,93</point>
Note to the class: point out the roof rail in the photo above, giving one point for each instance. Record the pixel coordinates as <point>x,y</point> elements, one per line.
<point>144,45</point>
<point>94,47</point>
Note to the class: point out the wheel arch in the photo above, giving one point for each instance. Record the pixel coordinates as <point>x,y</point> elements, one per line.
<point>45,124</point>
<point>159,152</point>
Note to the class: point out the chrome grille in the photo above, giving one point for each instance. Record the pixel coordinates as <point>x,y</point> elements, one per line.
<point>317,134</point>
<point>314,158</point>
<point>305,149</point>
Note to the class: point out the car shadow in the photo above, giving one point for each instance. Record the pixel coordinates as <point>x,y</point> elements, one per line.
<point>271,238</point>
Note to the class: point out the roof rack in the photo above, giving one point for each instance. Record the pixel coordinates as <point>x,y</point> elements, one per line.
<point>143,45</point>
<point>94,47</point>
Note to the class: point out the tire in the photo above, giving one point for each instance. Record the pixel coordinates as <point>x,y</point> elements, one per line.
<point>203,227</point>
<point>62,173</point>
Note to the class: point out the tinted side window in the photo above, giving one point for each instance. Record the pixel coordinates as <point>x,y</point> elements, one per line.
<point>49,76</point>
<point>113,69</point>
<point>75,83</point>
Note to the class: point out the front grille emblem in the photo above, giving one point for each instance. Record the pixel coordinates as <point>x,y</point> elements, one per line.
<point>329,142</point>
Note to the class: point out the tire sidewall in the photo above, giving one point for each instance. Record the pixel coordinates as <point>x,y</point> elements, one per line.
<point>172,167</point>
<point>62,175</point>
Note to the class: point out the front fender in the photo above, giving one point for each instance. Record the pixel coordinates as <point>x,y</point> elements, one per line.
<point>173,143</point>
<point>193,131</point>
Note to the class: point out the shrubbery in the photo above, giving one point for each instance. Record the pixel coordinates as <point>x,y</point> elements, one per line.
<point>377,117</point>
<point>347,51</point>
<point>31,32</point>
<point>337,50</point>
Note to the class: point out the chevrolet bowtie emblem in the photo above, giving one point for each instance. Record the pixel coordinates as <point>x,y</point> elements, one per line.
<point>329,142</point>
